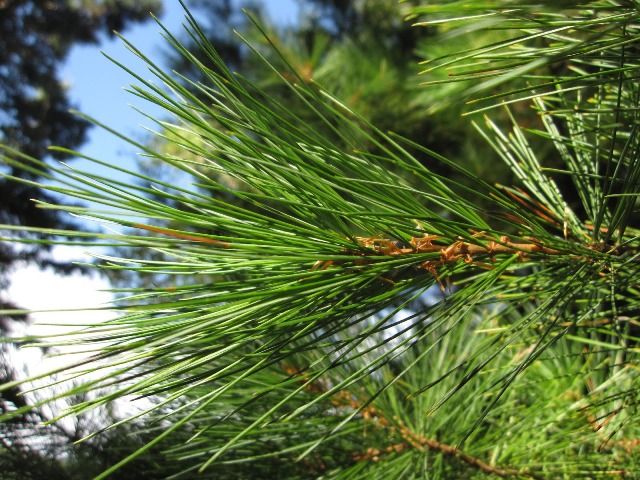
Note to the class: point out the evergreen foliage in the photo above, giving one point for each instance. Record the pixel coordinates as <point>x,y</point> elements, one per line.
<point>302,337</point>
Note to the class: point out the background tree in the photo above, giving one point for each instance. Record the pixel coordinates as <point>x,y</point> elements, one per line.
<point>292,341</point>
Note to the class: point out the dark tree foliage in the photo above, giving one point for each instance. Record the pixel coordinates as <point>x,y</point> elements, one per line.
<point>377,19</point>
<point>35,37</point>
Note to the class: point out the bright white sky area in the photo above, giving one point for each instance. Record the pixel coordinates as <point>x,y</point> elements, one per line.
<point>97,87</point>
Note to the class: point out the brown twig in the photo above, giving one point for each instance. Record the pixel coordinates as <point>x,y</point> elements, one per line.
<point>183,236</point>
<point>454,251</point>
<point>374,246</point>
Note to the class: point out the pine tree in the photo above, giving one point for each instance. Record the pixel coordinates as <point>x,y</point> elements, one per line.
<point>312,344</point>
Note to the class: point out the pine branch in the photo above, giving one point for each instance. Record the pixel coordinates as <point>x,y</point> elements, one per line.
<point>309,237</point>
